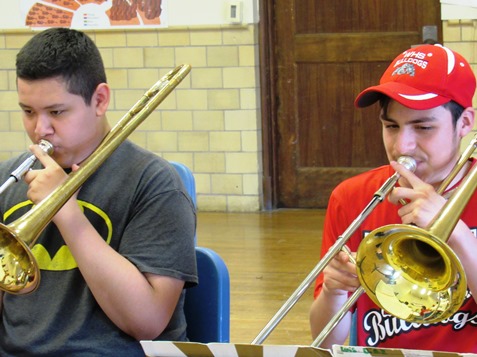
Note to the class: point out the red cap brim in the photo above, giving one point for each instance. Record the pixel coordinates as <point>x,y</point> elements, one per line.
<point>403,94</point>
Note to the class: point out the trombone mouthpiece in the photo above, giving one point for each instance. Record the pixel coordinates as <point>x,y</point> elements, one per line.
<point>408,162</point>
<point>46,146</point>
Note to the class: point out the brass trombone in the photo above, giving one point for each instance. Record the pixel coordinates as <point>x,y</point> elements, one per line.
<point>409,271</point>
<point>339,245</point>
<point>19,272</point>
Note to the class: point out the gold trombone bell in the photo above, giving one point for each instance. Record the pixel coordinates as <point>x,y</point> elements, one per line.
<point>411,274</point>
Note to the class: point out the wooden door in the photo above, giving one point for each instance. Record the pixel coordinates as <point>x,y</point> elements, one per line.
<point>317,56</point>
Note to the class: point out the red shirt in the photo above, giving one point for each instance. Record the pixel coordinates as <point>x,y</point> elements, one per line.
<point>375,327</point>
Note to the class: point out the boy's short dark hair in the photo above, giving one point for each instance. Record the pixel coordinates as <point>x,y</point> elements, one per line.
<point>64,53</point>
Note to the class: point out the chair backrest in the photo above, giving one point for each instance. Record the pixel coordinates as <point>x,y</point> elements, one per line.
<point>187,178</point>
<point>207,305</point>
<point>189,182</point>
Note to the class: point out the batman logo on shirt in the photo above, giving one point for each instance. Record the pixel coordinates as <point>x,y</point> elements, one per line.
<point>54,254</point>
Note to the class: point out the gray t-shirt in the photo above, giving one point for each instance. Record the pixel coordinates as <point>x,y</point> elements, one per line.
<point>137,202</point>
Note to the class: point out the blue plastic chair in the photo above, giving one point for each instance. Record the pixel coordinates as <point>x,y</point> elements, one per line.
<point>189,182</point>
<point>187,178</point>
<point>207,305</point>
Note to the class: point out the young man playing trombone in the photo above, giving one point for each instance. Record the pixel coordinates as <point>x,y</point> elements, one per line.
<point>116,257</point>
<point>425,97</point>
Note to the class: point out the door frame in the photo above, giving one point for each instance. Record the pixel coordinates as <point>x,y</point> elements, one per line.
<point>268,98</point>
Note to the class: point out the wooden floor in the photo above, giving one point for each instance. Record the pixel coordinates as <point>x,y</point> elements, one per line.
<point>268,255</point>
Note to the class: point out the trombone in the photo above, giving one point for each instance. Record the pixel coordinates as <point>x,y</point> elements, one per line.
<point>19,272</point>
<point>408,271</point>
<point>339,245</point>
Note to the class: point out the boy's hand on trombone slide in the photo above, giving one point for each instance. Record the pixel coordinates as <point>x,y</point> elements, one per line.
<point>339,276</point>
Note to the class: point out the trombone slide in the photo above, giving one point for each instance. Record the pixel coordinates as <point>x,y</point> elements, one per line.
<point>338,317</point>
<point>378,197</point>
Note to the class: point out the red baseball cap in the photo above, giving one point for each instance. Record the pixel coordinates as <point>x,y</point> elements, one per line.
<point>424,77</point>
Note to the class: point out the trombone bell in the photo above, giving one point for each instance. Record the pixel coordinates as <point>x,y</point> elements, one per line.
<point>411,274</point>
<point>19,272</point>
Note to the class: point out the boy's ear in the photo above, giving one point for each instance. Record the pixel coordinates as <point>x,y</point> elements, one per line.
<point>100,99</point>
<point>467,121</point>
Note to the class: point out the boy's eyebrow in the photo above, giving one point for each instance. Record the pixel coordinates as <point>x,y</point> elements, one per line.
<point>53,106</point>
<point>415,121</point>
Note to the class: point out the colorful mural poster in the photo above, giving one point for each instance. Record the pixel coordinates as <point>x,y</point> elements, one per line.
<point>94,14</point>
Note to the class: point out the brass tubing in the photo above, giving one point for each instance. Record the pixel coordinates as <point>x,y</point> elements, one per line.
<point>463,159</point>
<point>339,245</point>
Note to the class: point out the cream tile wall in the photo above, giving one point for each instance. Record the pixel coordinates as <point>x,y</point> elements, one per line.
<point>210,122</point>
<point>461,36</point>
